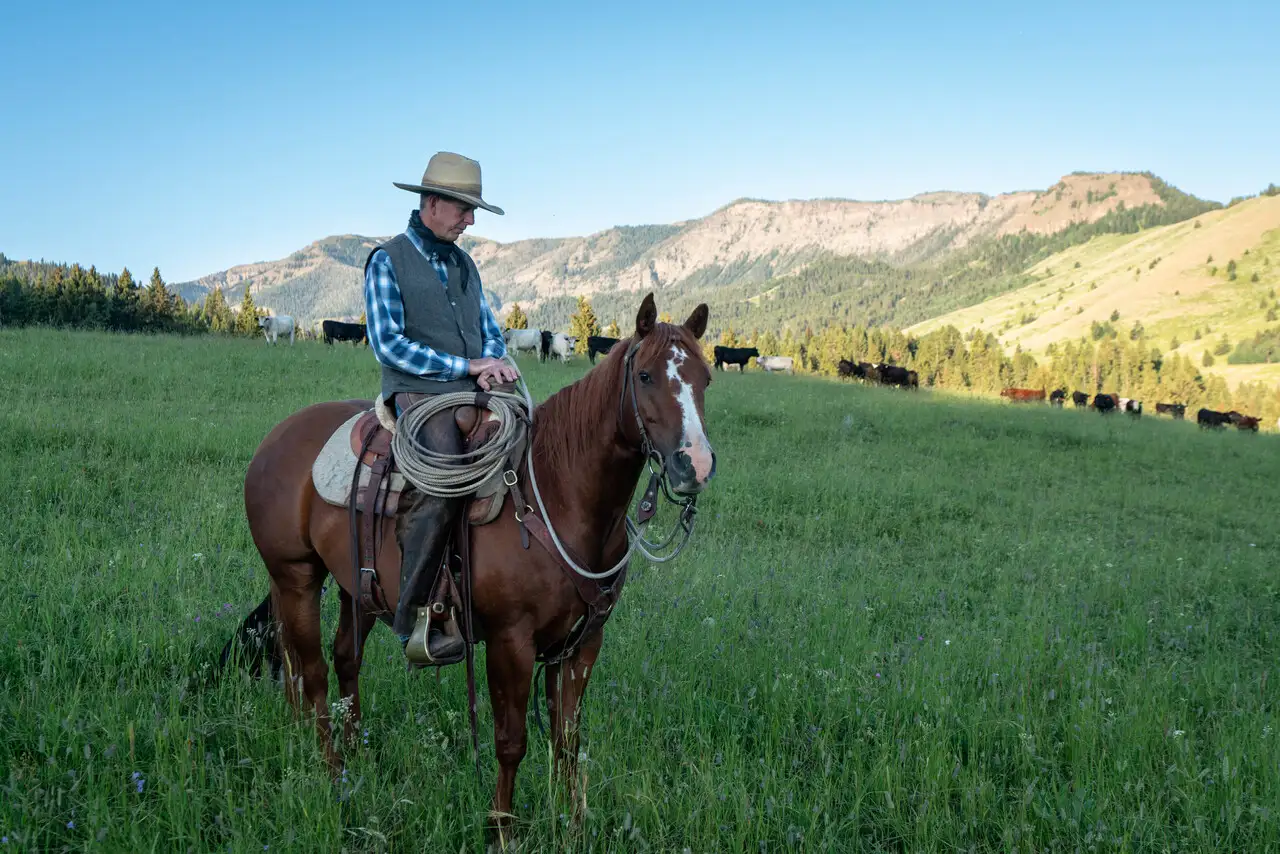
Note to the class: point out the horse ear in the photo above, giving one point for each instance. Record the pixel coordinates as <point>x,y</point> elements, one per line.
<point>647,317</point>
<point>697,322</point>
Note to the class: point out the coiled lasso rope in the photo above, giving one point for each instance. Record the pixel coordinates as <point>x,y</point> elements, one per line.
<point>456,475</point>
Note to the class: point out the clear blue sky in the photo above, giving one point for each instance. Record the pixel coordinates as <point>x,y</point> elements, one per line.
<point>197,136</point>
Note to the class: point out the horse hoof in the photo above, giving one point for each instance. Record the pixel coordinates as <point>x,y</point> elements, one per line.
<point>501,834</point>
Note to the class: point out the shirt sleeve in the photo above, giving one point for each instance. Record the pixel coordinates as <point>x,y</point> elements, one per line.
<point>384,313</point>
<point>495,346</point>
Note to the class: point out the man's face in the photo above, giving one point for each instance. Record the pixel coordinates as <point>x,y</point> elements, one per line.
<point>447,218</point>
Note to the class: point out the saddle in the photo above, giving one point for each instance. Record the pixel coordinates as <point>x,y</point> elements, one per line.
<point>356,469</point>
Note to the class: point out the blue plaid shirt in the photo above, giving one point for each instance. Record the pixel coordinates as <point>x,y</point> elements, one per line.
<point>384,313</point>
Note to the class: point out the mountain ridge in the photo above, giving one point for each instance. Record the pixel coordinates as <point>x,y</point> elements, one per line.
<point>746,242</point>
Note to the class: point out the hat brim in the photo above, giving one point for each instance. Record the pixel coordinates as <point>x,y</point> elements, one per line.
<point>451,193</point>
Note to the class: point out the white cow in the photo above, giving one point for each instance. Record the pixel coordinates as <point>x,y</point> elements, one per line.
<point>276,325</point>
<point>562,345</point>
<point>523,339</point>
<point>776,363</point>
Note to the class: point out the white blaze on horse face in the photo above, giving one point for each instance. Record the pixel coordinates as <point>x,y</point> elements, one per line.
<point>694,441</point>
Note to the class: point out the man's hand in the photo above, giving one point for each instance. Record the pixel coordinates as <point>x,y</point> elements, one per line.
<point>491,372</point>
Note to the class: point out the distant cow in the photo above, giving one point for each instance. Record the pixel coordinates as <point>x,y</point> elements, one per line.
<point>1079,399</point>
<point>776,363</point>
<point>599,344</point>
<point>1247,422</point>
<point>892,375</point>
<point>734,356</point>
<point>1209,418</point>
<point>523,339</point>
<point>1177,410</point>
<point>1105,403</point>
<point>846,370</point>
<point>276,325</point>
<point>562,345</point>
<point>1023,395</point>
<point>545,352</point>
<point>1131,406</point>
<point>1057,397</point>
<point>336,330</point>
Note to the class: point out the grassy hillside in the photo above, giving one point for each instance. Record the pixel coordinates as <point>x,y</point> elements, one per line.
<point>889,632</point>
<point>1187,284</point>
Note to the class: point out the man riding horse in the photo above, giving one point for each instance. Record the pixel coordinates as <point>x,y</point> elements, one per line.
<point>433,332</point>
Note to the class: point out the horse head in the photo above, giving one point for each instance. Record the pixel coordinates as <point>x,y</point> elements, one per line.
<point>668,375</point>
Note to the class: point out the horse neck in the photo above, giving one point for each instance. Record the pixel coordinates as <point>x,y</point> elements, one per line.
<point>587,469</point>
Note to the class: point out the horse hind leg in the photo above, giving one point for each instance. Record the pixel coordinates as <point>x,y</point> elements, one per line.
<point>346,661</point>
<point>298,607</point>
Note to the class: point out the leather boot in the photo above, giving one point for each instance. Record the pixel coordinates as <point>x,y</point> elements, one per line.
<point>422,532</point>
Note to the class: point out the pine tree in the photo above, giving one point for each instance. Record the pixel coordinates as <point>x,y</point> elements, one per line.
<point>583,324</point>
<point>156,304</point>
<point>665,317</point>
<point>217,313</point>
<point>612,330</point>
<point>516,319</point>
<point>247,320</point>
<point>728,337</point>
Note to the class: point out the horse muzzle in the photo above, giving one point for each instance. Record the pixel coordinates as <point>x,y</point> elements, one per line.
<point>690,469</point>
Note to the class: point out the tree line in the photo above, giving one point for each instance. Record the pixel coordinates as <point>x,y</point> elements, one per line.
<point>69,295</point>
<point>1128,365</point>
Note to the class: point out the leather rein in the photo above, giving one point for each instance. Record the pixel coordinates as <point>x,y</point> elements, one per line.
<point>646,507</point>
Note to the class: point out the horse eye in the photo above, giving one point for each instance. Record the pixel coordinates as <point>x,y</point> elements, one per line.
<point>645,378</point>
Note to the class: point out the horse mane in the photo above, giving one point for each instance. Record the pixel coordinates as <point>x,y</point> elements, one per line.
<point>578,417</point>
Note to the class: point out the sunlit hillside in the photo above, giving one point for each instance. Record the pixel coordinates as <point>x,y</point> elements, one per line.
<point>1188,285</point>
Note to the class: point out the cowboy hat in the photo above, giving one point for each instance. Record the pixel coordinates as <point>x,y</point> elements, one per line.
<point>452,175</point>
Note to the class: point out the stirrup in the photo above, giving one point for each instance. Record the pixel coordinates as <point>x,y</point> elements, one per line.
<point>418,648</point>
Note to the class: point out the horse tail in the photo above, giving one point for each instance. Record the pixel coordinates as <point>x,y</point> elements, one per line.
<point>254,643</point>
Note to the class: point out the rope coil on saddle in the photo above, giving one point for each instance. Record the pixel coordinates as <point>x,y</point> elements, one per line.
<point>456,475</point>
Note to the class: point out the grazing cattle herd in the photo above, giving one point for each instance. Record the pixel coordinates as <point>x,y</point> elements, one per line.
<point>547,344</point>
<point>1105,403</point>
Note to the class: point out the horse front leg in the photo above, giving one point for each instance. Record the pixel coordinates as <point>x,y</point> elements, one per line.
<point>509,667</point>
<point>566,684</point>
<point>347,664</point>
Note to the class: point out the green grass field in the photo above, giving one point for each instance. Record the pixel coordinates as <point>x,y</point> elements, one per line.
<point>907,622</point>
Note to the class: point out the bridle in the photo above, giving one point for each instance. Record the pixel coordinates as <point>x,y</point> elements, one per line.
<point>660,552</point>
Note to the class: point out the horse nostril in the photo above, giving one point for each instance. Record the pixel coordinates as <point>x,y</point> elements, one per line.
<point>682,464</point>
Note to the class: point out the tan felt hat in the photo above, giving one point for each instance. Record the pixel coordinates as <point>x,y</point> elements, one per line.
<point>454,176</point>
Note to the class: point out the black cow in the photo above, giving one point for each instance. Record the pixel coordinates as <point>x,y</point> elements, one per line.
<point>851,370</point>
<point>599,344</point>
<point>545,352</point>
<point>1177,410</point>
<point>734,356</point>
<point>1079,399</point>
<point>1105,403</point>
<point>1212,418</point>
<point>336,330</point>
<point>894,375</point>
<point>1057,397</point>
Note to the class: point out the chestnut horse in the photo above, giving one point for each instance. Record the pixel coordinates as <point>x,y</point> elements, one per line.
<point>587,441</point>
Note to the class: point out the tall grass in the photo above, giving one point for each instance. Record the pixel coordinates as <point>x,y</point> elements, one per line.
<point>907,622</point>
